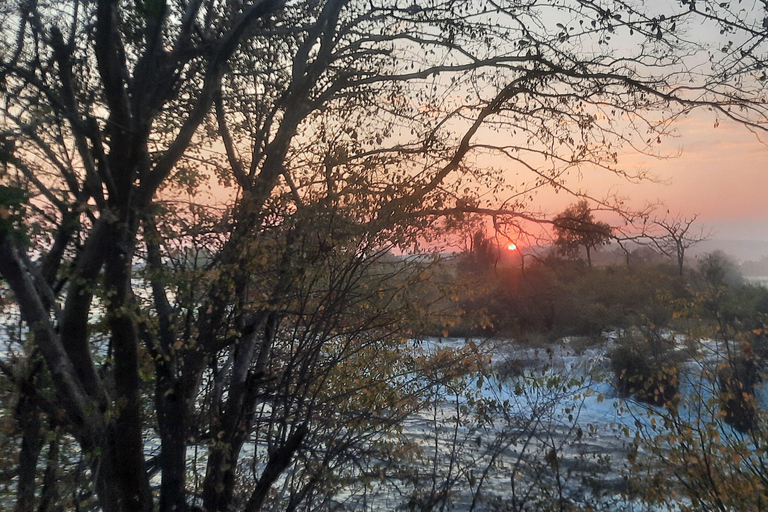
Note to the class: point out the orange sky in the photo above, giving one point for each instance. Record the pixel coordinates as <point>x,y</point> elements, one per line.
<point>721,174</point>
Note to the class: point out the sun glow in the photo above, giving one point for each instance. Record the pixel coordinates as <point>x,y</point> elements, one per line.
<point>511,246</point>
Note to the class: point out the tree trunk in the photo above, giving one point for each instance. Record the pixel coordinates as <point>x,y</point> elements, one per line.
<point>233,424</point>
<point>173,423</point>
<point>125,431</point>
<point>28,416</point>
<point>49,494</point>
<point>278,462</point>
<point>220,478</point>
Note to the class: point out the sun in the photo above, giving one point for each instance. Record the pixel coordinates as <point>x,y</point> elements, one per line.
<point>512,246</point>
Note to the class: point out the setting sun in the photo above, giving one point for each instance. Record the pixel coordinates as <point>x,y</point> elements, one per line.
<point>511,246</point>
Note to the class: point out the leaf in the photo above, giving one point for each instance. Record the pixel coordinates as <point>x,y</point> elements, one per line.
<point>551,458</point>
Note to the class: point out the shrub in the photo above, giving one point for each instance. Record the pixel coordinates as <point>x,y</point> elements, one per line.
<point>647,368</point>
<point>737,380</point>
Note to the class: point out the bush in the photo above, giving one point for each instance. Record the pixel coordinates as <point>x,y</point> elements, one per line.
<point>737,380</point>
<point>647,368</point>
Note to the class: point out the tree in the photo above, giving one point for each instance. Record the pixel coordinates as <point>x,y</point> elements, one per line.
<point>483,253</point>
<point>576,227</point>
<point>716,270</point>
<point>676,237</point>
<point>340,129</point>
<point>85,145</point>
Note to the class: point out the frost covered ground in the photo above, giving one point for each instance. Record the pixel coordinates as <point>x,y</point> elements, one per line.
<point>564,435</point>
<point>561,432</point>
<point>555,429</point>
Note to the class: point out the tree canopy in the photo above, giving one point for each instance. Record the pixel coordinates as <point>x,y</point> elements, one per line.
<point>337,131</point>
<point>576,227</point>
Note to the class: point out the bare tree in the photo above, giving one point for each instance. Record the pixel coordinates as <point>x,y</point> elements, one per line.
<point>677,235</point>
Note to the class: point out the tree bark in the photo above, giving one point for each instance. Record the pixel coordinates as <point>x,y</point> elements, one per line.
<point>49,494</point>
<point>125,432</point>
<point>173,423</point>
<point>28,417</point>
<point>232,426</point>
<point>278,462</point>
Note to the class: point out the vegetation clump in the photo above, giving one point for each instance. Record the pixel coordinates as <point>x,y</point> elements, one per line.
<point>647,367</point>
<point>738,378</point>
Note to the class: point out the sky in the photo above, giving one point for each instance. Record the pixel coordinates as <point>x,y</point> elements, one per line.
<point>716,168</point>
<point>719,173</point>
